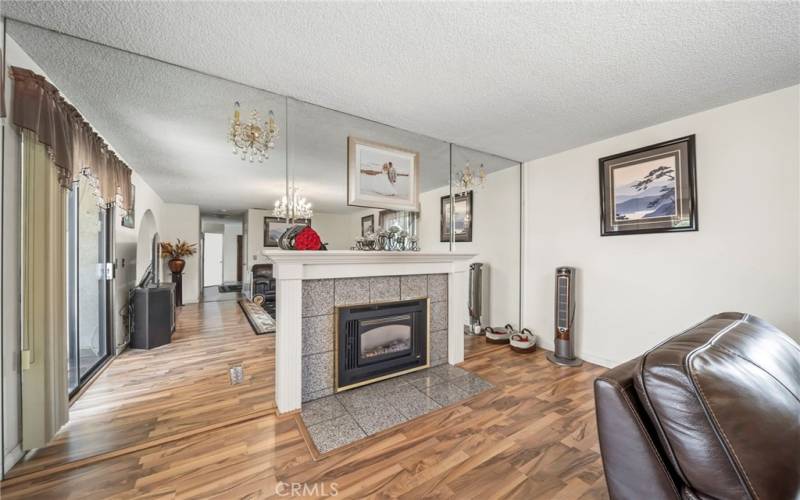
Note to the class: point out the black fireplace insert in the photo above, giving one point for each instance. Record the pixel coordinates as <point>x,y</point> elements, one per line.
<point>376,341</point>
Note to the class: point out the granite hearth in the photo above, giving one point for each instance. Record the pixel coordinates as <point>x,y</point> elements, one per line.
<point>346,417</point>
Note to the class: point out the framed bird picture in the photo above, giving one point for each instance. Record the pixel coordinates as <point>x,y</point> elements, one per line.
<point>381,176</point>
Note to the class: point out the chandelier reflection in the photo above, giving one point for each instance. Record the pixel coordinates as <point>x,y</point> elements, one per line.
<point>292,207</point>
<point>252,140</point>
<point>467,179</point>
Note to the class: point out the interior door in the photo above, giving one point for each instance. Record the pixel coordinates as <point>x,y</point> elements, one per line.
<point>212,259</point>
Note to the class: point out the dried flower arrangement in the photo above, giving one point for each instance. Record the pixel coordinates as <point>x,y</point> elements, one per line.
<point>177,250</point>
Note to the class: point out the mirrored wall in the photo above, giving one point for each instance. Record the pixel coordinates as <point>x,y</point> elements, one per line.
<point>332,154</point>
<point>487,222</point>
<point>362,181</point>
<point>353,173</point>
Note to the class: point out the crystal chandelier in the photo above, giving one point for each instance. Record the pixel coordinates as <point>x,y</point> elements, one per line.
<point>252,140</point>
<point>293,207</point>
<point>466,179</point>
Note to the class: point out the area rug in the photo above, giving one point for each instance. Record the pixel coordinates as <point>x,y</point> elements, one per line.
<point>259,319</point>
<point>230,288</point>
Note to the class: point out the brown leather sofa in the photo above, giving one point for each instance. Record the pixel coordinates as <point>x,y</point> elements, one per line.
<point>711,413</point>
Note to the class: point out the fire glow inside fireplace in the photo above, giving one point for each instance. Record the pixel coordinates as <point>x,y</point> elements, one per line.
<point>378,341</point>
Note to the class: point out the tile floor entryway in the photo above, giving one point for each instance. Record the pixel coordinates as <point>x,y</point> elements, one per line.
<point>344,418</point>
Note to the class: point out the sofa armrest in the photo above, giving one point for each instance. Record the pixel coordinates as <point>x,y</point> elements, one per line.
<point>633,464</point>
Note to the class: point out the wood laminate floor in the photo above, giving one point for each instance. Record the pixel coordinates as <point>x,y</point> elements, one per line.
<point>475,345</point>
<point>533,436</point>
<point>147,396</point>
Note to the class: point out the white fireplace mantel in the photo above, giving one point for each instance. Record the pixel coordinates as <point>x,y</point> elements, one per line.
<point>292,267</point>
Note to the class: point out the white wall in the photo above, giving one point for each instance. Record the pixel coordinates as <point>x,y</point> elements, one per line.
<point>334,229</point>
<point>182,221</point>
<point>634,291</point>
<point>131,263</point>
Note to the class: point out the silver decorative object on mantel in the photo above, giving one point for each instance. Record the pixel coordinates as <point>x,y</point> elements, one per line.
<point>394,239</point>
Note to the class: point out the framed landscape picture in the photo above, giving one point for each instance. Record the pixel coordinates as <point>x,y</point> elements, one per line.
<point>381,176</point>
<point>367,224</point>
<point>462,214</point>
<point>274,227</point>
<point>649,190</point>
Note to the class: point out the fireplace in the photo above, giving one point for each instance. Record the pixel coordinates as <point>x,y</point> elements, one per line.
<point>378,341</point>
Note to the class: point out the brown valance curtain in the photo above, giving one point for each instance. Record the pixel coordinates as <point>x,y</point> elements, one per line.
<point>73,145</point>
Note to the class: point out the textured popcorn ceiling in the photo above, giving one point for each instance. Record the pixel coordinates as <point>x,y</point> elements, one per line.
<point>522,80</point>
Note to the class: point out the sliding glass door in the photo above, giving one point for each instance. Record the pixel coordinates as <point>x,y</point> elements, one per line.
<point>88,288</point>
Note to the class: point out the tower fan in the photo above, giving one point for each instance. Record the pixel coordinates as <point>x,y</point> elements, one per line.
<point>564,343</point>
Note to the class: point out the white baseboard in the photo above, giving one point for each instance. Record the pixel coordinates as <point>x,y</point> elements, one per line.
<point>586,356</point>
<point>11,458</point>
<point>599,360</point>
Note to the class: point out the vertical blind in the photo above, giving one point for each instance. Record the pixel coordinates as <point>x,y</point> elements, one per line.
<point>44,310</point>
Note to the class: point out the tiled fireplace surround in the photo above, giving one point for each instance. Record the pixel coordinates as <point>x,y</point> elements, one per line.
<point>309,285</point>
<point>321,297</point>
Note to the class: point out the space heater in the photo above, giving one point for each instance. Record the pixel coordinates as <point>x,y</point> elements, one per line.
<point>478,290</point>
<point>564,342</point>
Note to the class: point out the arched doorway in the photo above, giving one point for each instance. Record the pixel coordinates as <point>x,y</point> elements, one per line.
<point>144,243</point>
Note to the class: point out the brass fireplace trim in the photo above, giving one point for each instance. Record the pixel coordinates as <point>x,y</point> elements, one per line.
<point>427,364</point>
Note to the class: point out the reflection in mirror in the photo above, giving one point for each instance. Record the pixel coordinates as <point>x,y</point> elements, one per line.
<point>486,221</point>
<point>322,167</point>
<point>171,125</point>
<point>358,183</point>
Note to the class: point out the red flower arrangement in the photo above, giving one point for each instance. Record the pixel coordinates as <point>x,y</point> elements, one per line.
<point>307,239</point>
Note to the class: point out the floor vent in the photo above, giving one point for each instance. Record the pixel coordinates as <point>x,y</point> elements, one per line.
<point>237,374</point>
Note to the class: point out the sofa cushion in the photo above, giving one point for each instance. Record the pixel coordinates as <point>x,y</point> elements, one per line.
<point>724,398</point>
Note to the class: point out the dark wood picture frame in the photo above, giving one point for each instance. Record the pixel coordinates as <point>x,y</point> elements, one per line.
<point>662,213</point>
<point>444,216</point>
<point>268,221</point>
<point>370,219</point>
